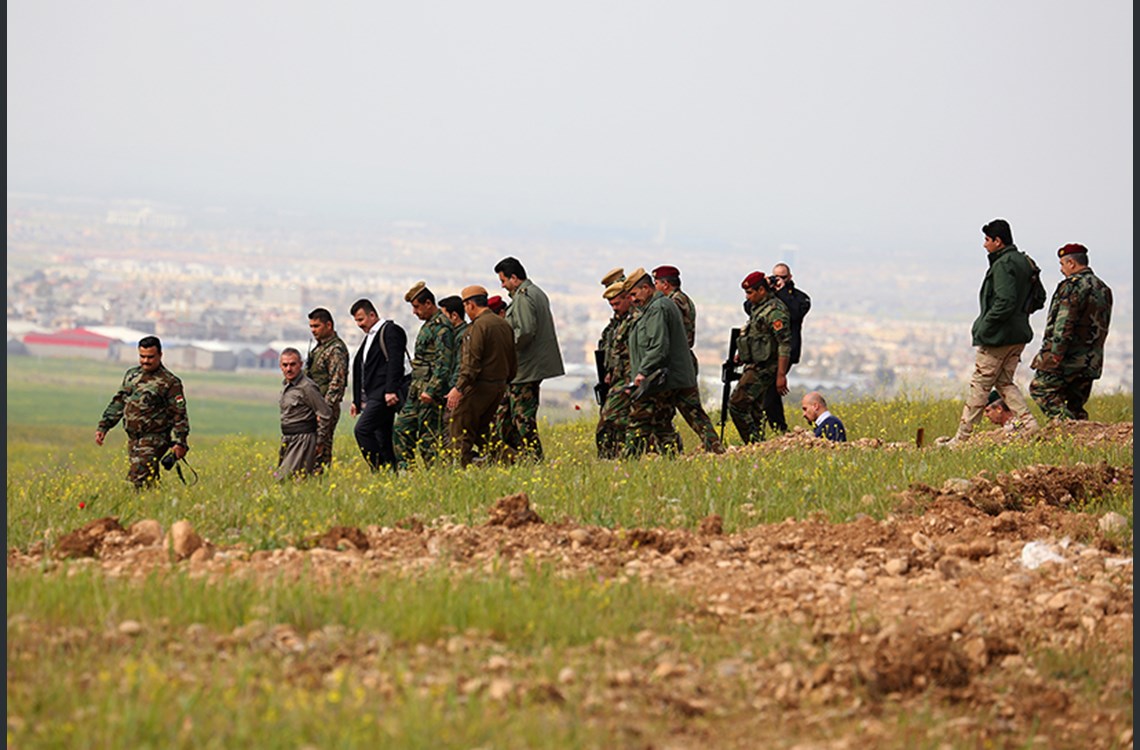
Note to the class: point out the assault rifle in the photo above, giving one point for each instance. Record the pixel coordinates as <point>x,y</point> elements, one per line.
<point>728,373</point>
<point>602,389</point>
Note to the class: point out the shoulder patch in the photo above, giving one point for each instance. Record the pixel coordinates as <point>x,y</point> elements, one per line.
<point>777,325</point>
<point>180,400</point>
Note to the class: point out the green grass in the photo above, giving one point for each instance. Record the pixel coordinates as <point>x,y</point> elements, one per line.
<point>388,660</point>
<point>62,393</point>
<point>53,468</point>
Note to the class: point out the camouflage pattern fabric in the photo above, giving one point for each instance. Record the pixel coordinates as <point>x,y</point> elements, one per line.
<point>613,419</point>
<point>766,338</point>
<point>144,455</point>
<point>1072,349</point>
<point>689,399</point>
<point>651,425</point>
<point>688,315</point>
<point>524,416</point>
<point>327,366</point>
<point>152,407</point>
<point>505,442</point>
<point>745,405</point>
<point>1061,396</point>
<point>457,333</point>
<point>420,425</point>
<point>693,411</point>
<point>613,424</point>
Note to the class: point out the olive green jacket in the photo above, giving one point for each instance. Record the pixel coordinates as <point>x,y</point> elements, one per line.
<point>535,339</point>
<point>1003,320</point>
<point>657,339</point>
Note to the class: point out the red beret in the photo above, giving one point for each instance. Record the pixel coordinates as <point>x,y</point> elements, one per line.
<point>752,280</point>
<point>495,303</point>
<point>662,271</point>
<point>1071,248</point>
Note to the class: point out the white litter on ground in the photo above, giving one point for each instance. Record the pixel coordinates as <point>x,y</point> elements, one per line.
<point>1036,554</point>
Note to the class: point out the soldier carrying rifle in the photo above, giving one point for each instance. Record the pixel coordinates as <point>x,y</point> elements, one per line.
<point>765,347</point>
<point>612,357</point>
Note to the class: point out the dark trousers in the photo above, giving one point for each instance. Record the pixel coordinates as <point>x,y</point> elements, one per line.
<point>472,419</point>
<point>774,407</point>
<point>373,433</point>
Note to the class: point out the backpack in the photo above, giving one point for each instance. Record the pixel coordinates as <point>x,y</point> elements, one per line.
<point>1037,294</point>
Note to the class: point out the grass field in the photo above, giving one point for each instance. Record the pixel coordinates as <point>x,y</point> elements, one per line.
<point>74,681</point>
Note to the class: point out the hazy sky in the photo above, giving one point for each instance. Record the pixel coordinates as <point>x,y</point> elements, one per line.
<point>860,125</point>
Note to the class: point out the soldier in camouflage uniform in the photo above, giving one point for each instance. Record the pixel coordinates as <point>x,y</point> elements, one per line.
<point>420,423</point>
<point>613,419</point>
<point>152,406</point>
<point>765,349</point>
<point>1072,352</point>
<point>668,281</point>
<point>327,366</point>
<point>452,308</point>
<point>506,440</point>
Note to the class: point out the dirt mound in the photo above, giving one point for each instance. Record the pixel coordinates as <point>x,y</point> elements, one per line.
<point>513,511</point>
<point>342,537</point>
<point>1063,486</point>
<point>799,438</point>
<point>87,541</point>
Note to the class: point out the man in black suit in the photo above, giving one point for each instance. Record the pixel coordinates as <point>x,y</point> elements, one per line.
<point>378,383</point>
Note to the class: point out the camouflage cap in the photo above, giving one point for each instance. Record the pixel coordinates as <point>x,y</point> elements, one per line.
<point>614,289</point>
<point>631,281</point>
<point>414,292</point>
<point>612,275</point>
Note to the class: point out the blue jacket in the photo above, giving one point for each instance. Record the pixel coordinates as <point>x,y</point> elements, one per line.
<point>832,429</point>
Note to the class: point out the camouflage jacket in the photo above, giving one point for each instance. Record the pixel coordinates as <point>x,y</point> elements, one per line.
<point>617,350</point>
<point>457,333</point>
<point>1076,328</point>
<point>435,357</point>
<point>608,333</point>
<point>688,314</point>
<point>328,368</point>
<point>149,404</point>
<point>768,334</point>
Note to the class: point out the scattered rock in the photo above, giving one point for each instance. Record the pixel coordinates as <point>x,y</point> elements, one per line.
<point>147,532</point>
<point>182,540</point>
<point>1112,523</point>
<point>132,628</point>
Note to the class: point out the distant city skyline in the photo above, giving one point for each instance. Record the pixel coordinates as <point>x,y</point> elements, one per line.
<point>158,268</point>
